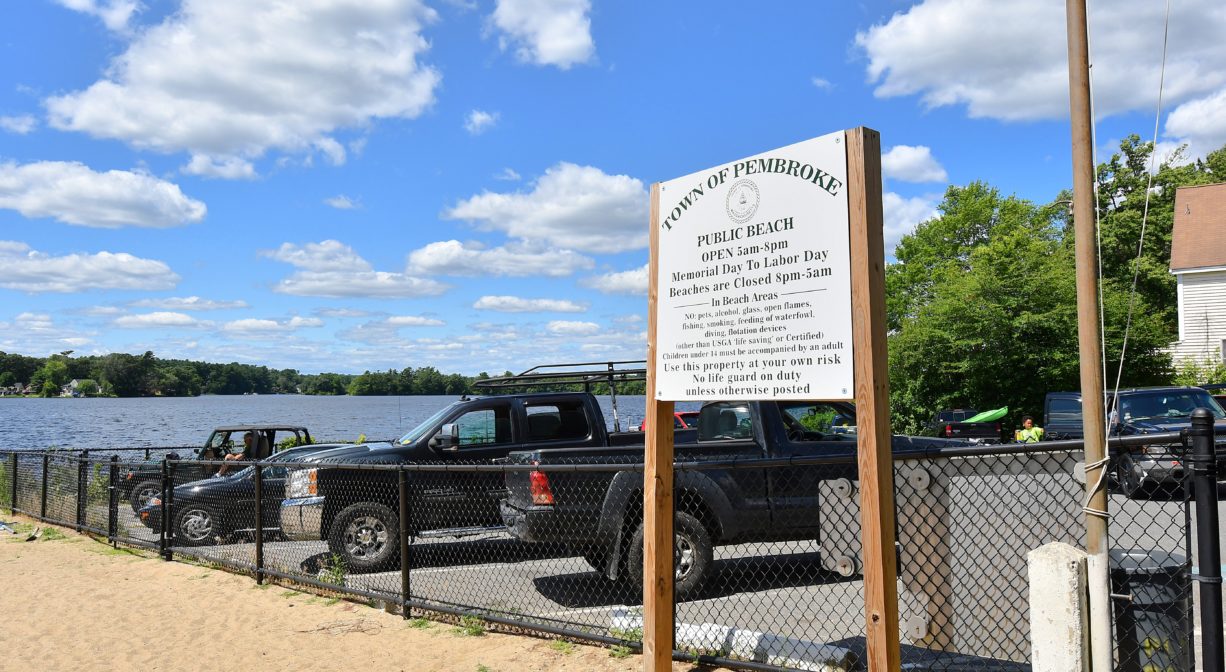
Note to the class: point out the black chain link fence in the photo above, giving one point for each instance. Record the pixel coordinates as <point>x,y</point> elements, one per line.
<point>767,552</point>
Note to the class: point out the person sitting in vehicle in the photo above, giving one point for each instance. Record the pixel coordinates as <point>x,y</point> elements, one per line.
<point>247,454</point>
<point>1028,433</point>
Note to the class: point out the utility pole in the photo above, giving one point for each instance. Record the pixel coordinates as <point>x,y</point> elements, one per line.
<point>1088,337</point>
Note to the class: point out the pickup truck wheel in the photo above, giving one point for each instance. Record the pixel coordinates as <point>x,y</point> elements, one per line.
<point>597,558</point>
<point>366,536</point>
<point>143,492</point>
<point>692,555</point>
<point>195,526</point>
<point>1132,483</point>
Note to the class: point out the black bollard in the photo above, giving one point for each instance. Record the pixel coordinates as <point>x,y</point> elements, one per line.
<point>1203,464</point>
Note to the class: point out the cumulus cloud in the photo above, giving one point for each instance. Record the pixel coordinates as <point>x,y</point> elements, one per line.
<point>1009,60</point>
<point>912,164</point>
<point>387,331</point>
<point>1201,123</point>
<point>479,121</point>
<point>160,319</point>
<point>20,125</point>
<point>74,194</point>
<point>264,325</point>
<point>28,270</point>
<point>546,32</point>
<point>342,202</point>
<point>508,175</point>
<point>413,321</point>
<point>451,257</point>
<point>902,215</point>
<point>333,269</point>
<point>225,167</point>
<point>570,206</point>
<point>228,80</point>
<point>187,303</point>
<point>342,312</point>
<point>37,334</point>
<point>821,83</point>
<point>114,14</point>
<point>570,328</point>
<point>633,281</point>
<point>515,304</point>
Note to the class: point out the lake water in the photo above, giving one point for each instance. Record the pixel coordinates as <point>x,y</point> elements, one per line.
<point>187,421</point>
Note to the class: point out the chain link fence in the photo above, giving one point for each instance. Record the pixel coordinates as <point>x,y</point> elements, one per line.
<point>767,552</point>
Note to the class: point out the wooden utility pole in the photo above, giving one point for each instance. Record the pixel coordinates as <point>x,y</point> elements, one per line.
<point>874,451</point>
<point>657,488</point>
<point>1088,337</point>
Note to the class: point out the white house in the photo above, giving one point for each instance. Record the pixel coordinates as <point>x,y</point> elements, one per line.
<point>1198,262</point>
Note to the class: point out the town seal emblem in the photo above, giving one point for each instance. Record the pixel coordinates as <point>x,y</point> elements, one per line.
<point>742,201</point>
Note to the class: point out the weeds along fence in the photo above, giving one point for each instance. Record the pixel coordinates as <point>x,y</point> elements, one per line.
<point>767,551</point>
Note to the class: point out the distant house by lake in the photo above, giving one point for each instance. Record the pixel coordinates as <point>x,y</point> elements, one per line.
<point>1198,262</point>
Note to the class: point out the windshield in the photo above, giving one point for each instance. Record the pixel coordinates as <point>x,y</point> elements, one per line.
<point>1169,404</point>
<point>420,430</point>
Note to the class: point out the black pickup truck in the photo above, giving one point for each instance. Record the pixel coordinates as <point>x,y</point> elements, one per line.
<point>599,513</point>
<point>357,511</point>
<point>951,424</point>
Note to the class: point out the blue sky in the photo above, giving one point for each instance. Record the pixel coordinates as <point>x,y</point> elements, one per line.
<point>342,185</point>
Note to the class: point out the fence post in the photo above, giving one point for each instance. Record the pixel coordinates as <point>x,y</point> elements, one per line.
<point>13,504</point>
<point>163,524</point>
<point>42,509</point>
<point>168,509</point>
<point>82,482</point>
<point>259,523</point>
<point>112,505</point>
<point>1204,485</point>
<point>405,594</point>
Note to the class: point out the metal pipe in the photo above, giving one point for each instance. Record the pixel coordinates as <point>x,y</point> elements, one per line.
<point>1208,556</point>
<point>13,481</point>
<point>167,484</point>
<point>82,480</point>
<point>42,510</point>
<point>405,595</point>
<point>259,524</point>
<point>112,503</point>
<point>168,506</point>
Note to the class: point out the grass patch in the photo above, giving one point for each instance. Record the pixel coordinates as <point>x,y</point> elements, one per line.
<point>482,668</point>
<point>333,571</point>
<point>634,635</point>
<point>420,624</point>
<point>331,601</point>
<point>52,534</point>
<point>562,646</point>
<point>470,626</point>
<point>620,651</point>
<point>290,594</point>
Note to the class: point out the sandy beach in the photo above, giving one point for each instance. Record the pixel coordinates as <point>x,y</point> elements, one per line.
<point>73,603</point>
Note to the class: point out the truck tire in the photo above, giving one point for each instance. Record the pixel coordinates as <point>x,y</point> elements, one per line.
<point>143,491</point>
<point>195,525</point>
<point>366,536</point>
<point>598,558</point>
<point>692,558</point>
<point>1132,483</point>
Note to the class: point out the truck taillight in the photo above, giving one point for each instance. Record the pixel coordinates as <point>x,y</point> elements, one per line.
<point>542,494</point>
<point>949,429</point>
<point>313,482</point>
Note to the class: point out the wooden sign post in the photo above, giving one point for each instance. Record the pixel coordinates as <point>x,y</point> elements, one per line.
<point>767,282</point>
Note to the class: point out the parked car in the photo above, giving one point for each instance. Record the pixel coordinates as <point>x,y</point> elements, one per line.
<point>215,508</point>
<point>138,484</point>
<point>681,420</point>
<point>597,513</point>
<point>357,511</point>
<point>1145,471</point>
<point>1218,391</point>
<point>951,424</point>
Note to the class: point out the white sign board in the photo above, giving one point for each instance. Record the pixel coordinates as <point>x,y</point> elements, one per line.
<point>754,284</point>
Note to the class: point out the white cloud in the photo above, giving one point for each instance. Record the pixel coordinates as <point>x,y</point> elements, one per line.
<point>508,175</point>
<point>570,206</point>
<point>37,334</point>
<point>1200,123</point>
<point>332,269</point>
<point>451,257</point>
<point>101,311</point>
<point>1009,60</point>
<point>342,312</point>
<point>822,83</point>
<point>74,194</point>
<point>342,202</point>
<point>187,303</point>
<point>633,281</point>
<point>570,328</point>
<point>263,325</point>
<point>912,164</point>
<point>546,32</point>
<point>634,318</point>
<point>479,121</point>
<point>158,319</point>
<point>224,167</point>
<point>115,14</point>
<point>515,304</point>
<point>19,125</point>
<point>413,321</point>
<point>32,271</point>
<point>229,79</point>
<point>902,215</point>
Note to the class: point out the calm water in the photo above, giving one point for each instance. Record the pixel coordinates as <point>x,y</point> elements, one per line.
<point>117,423</point>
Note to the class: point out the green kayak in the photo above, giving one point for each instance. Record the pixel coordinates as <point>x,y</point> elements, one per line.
<point>989,416</point>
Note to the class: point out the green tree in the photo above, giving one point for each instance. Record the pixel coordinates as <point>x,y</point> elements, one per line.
<point>88,387</point>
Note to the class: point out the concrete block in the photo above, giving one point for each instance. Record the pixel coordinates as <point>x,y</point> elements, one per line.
<point>1059,609</point>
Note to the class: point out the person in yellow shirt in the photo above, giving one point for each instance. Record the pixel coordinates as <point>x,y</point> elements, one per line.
<point>1028,433</point>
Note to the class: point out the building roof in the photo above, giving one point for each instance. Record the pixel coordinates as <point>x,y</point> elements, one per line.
<point>1199,236</point>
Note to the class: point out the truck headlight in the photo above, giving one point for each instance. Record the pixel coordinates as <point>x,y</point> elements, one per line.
<point>302,483</point>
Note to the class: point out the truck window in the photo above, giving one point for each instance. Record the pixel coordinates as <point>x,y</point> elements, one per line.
<point>815,417</point>
<point>485,427</point>
<point>557,420</point>
<point>1064,410</point>
<point>725,422</point>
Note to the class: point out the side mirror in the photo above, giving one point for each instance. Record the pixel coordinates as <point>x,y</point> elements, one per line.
<point>448,438</point>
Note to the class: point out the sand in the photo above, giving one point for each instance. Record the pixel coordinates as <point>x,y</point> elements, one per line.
<point>72,603</point>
